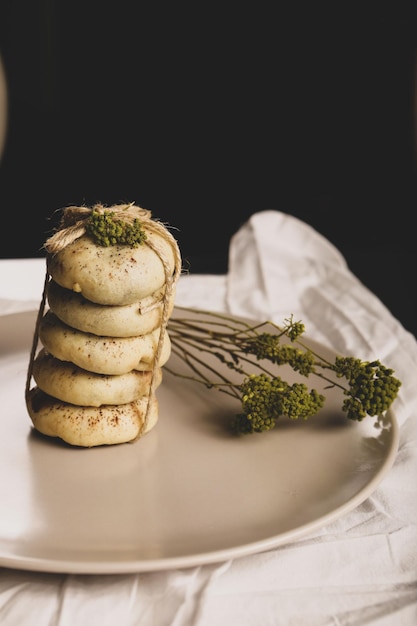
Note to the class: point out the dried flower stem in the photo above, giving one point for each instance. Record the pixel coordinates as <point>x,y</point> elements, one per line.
<point>248,350</point>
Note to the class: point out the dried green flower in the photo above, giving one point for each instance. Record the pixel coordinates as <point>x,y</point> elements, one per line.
<point>108,230</point>
<point>369,388</point>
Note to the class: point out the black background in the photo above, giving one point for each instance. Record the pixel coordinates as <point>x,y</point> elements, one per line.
<point>205,114</point>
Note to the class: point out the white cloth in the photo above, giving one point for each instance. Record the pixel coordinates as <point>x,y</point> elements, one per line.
<point>360,569</point>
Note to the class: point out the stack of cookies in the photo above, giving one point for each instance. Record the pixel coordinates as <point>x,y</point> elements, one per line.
<point>101,338</point>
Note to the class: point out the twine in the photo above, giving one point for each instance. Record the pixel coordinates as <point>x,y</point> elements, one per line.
<point>73,226</point>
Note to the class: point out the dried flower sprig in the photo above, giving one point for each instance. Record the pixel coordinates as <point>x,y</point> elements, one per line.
<point>251,351</point>
<point>107,230</point>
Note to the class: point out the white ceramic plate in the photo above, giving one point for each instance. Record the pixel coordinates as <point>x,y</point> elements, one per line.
<point>187,493</point>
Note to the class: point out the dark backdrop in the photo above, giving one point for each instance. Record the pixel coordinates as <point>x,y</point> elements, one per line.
<point>205,115</point>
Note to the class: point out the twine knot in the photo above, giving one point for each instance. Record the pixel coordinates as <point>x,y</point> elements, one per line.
<point>72,225</point>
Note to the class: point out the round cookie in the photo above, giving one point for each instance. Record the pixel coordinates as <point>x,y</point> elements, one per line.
<point>113,275</point>
<point>129,320</point>
<point>102,355</point>
<point>90,426</point>
<point>69,383</point>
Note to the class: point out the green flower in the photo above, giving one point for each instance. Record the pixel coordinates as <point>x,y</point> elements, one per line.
<point>107,230</point>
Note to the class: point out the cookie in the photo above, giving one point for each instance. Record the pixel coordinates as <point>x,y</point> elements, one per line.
<point>102,355</point>
<point>113,275</point>
<point>129,320</point>
<point>67,382</point>
<point>90,426</point>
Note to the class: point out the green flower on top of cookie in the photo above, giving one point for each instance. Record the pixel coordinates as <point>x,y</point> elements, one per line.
<point>106,229</point>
